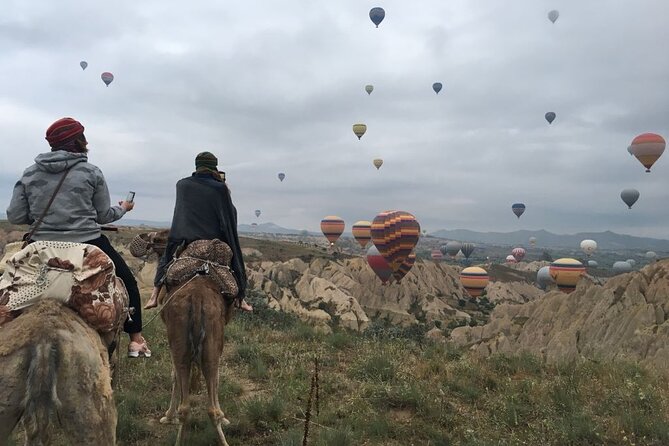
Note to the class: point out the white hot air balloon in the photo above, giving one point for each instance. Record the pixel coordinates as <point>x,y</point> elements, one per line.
<point>589,247</point>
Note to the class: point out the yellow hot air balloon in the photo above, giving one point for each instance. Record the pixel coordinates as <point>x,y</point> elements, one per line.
<point>474,279</point>
<point>362,232</point>
<point>566,273</point>
<point>647,148</point>
<point>378,163</point>
<point>332,227</point>
<point>359,130</point>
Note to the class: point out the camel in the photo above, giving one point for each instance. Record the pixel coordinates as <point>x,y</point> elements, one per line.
<point>54,370</point>
<point>195,315</point>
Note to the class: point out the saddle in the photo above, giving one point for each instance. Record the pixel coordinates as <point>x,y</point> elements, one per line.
<point>81,276</point>
<point>147,243</point>
<point>209,257</point>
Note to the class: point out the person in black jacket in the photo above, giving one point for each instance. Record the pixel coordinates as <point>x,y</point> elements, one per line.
<point>203,211</point>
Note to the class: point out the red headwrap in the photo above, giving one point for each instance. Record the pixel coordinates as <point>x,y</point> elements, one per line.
<point>63,130</point>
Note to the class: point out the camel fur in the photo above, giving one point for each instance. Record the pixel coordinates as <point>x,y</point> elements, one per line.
<point>54,372</point>
<point>195,316</point>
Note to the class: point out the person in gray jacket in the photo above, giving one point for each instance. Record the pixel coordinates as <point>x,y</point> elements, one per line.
<point>79,208</point>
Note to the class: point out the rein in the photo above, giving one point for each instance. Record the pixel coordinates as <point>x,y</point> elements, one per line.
<point>168,300</point>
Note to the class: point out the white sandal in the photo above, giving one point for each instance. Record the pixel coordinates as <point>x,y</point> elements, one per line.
<point>137,349</point>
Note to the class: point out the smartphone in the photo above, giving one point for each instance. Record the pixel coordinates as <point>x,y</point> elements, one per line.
<point>131,197</point>
<point>222,174</point>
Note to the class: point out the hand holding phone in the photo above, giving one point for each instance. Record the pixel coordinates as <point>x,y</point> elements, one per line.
<point>131,197</point>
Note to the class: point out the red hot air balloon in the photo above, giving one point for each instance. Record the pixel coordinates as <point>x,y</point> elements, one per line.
<point>647,148</point>
<point>378,264</point>
<point>518,254</point>
<point>107,78</point>
<point>395,234</point>
<point>437,255</point>
<point>405,267</point>
<point>332,227</point>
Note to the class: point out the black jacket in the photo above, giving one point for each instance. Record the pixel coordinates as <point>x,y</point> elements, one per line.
<point>204,211</point>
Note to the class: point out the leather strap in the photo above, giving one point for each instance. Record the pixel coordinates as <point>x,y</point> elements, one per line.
<point>38,222</point>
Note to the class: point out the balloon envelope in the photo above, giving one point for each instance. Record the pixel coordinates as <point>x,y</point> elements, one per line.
<point>378,264</point>
<point>550,117</point>
<point>359,130</point>
<point>593,263</point>
<point>83,64</point>
<point>362,232</point>
<point>467,249</point>
<point>395,234</point>
<point>332,227</point>
<point>621,267</point>
<point>378,162</point>
<point>107,78</point>
<point>436,255</point>
<point>647,148</point>
<point>369,89</point>
<point>511,259</point>
<point>518,209</point>
<point>629,196</point>
<point>437,87</point>
<point>257,212</point>
<point>533,241</point>
<point>281,176</point>
<point>377,15</point>
<point>453,247</point>
<point>553,15</point>
<point>566,273</point>
<point>632,262</point>
<point>474,280</point>
<point>651,255</point>
<point>405,267</point>
<point>518,254</point>
<point>544,277</point>
<point>589,247</point>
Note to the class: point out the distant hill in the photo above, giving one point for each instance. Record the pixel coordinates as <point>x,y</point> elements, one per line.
<point>605,240</point>
<point>270,228</point>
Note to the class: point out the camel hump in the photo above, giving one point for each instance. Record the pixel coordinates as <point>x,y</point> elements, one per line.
<point>78,275</point>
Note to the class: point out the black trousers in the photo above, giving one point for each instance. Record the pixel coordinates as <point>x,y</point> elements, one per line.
<point>134,323</point>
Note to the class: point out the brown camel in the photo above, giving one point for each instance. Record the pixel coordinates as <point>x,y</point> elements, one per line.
<point>54,371</point>
<point>195,315</point>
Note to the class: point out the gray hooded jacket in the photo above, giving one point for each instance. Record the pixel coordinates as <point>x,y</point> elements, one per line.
<point>81,205</point>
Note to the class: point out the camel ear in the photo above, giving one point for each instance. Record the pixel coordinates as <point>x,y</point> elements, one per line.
<point>161,294</point>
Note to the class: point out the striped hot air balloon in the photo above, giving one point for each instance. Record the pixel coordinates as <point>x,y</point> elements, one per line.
<point>647,148</point>
<point>332,227</point>
<point>467,249</point>
<point>511,259</point>
<point>566,273</point>
<point>362,232</point>
<point>405,267</point>
<point>395,234</point>
<point>359,130</point>
<point>474,279</point>
<point>378,264</point>
<point>518,254</point>
<point>518,209</point>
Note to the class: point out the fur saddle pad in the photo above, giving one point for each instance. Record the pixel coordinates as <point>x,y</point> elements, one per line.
<point>79,275</point>
<point>211,257</point>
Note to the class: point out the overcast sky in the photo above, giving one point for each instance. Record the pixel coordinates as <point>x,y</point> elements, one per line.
<point>276,86</point>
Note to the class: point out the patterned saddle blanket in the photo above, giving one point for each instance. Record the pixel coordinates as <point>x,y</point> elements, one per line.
<point>211,257</point>
<point>81,276</point>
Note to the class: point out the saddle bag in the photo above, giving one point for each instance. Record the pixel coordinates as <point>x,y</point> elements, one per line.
<point>210,257</point>
<point>79,275</point>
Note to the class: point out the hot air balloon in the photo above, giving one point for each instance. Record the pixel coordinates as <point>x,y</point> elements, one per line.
<point>83,64</point>
<point>632,262</point>
<point>566,273</point>
<point>405,267</point>
<point>593,263</point>
<point>107,78</point>
<point>467,249</point>
<point>533,241</point>
<point>544,277</point>
<point>281,176</point>
<point>359,130</point>
<point>550,117</point>
<point>651,255</point>
<point>629,150</point>
<point>362,232</point>
<point>376,15</point>
<point>437,87</point>
<point>621,267</point>
<point>511,259</point>
<point>518,254</point>
<point>553,15</point>
<point>518,209</point>
<point>257,212</point>
<point>629,196</point>
<point>378,162</point>
<point>589,247</point>
<point>378,264</point>
<point>453,247</point>
<point>436,255</point>
<point>254,224</point>
<point>395,234</point>
<point>647,148</point>
<point>332,227</point>
<point>474,279</point>
<point>369,89</point>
